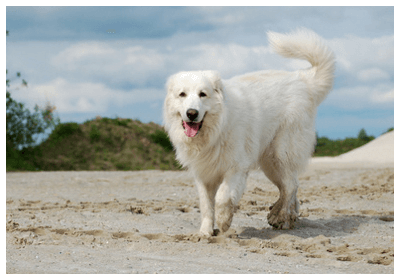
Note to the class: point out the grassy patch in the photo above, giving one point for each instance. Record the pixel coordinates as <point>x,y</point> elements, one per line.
<point>328,147</point>
<point>64,130</point>
<point>99,144</point>
<point>161,137</point>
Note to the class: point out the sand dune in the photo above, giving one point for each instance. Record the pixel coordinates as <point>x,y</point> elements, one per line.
<point>380,150</point>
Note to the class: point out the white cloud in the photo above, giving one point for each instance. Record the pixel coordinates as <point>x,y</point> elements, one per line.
<point>140,57</point>
<point>82,52</point>
<point>229,60</point>
<point>372,74</point>
<point>95,73</point>
<point>126,61</point>
<point>222,15</point>
<point>115,63</point>
<point>71,97</point>
<point>356,55</point>
<point>342,63</point>
<point>382,97</point>
<point>362,97</point>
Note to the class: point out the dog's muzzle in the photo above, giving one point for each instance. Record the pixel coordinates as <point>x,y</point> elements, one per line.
<point>192,128</point>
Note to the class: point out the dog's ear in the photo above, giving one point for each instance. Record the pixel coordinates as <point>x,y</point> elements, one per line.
<point>215,79</point>
<point>170,83</point>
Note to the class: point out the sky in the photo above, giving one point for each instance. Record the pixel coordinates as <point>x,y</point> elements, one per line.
<point>114,61</point>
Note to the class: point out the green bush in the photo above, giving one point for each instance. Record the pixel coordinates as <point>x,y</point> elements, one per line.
<point>117,121</point>
<point>94,133</point>
<point>123,166</point>
<point>161,137</point>
<point>122,122</point>
<point>327,147</point>
<point>63,130</point>
<point>15,160</point>
<point>362,135</point>
<point>139,130</point>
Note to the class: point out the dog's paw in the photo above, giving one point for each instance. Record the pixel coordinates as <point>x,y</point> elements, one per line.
<point>206,229</point>
<point>224,226</point>
<point>224,215</point>
<point>282,218</point>
<point>203,233</point>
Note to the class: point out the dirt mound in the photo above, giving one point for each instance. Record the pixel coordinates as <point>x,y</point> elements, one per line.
<point>103,144</point>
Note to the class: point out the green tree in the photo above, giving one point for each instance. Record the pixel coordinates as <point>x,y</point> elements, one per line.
<point>362,135</point>
<point>21,125</point>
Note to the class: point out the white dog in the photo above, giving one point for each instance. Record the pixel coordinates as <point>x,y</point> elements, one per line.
<point>222,129</point>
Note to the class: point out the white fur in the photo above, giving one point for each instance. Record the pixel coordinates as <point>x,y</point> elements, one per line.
<point>263,119</point>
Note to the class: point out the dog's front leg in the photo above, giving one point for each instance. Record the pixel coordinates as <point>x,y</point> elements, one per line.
<point>207,202</point>
<point>228,196</point>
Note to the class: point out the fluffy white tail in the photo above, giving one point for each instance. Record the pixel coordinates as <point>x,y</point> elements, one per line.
<point>305,44</point>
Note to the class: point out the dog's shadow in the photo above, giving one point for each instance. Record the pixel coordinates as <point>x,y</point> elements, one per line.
<point>305,228</point>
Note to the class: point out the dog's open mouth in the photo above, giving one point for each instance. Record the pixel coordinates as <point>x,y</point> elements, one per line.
<point>191,128</point>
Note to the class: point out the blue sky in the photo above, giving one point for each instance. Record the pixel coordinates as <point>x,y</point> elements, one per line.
<point>70,58</point>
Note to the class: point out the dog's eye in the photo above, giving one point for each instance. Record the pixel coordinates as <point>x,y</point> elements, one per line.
<point>182,94</point>
<point>202,94</point>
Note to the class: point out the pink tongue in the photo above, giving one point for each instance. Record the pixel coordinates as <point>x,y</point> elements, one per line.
<point>191,129</point>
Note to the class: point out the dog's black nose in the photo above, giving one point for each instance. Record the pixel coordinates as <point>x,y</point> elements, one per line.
<point>192,114</point>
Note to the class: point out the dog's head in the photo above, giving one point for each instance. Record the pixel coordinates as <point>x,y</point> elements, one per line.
<point>193,99</point>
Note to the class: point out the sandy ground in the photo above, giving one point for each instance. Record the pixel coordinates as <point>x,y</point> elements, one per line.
<point>146,222</point>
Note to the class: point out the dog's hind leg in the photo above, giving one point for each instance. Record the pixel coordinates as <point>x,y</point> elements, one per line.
<point>285,210</point>
<point>227,198</point>
<point>285,158</point>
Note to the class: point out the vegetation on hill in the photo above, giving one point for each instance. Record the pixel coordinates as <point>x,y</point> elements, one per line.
<point>328,147</point>
<point>124,144</point>
<point>101,144</point>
